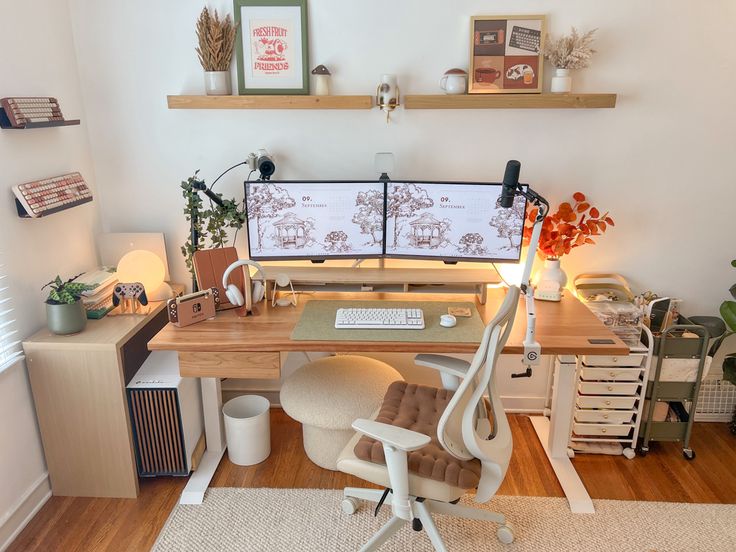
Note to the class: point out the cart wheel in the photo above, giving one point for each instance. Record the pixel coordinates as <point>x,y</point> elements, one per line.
<point>570,453</point>
<point>643,451</point>
<point>689,454</point>
<point>629,453</point>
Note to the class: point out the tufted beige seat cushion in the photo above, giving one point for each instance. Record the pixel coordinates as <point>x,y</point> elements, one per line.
<point>328,395</point>
<point>419,408</point>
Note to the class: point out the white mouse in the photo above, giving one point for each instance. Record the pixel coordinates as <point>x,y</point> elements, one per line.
<point>448,321</point>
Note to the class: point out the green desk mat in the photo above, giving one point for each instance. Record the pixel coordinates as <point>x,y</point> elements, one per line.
<point>317,323</point>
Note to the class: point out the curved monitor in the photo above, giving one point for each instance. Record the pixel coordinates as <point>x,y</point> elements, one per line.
<point>447,221</point>
<point>452,221</point>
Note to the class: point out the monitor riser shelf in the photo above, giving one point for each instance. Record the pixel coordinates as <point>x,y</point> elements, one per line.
<point>387,280</point>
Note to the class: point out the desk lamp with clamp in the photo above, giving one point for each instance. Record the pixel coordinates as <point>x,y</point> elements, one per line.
<point>512,189</point>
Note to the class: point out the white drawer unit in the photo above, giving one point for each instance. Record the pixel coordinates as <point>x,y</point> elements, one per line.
<point>607,388</point>
<point>605,416</point>
<point>631,361</point>
<point>610,374</point>
<point>609,402</point>
<point>606,402</point>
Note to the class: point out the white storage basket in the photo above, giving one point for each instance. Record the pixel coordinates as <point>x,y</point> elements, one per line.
<point>716,400</point>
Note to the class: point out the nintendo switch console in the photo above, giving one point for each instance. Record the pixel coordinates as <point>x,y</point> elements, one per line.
<point>195,307</point>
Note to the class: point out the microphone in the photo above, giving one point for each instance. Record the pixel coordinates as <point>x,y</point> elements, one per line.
<point>510,184</point>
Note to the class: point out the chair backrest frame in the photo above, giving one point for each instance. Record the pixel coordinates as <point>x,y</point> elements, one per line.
<point>464,429</point>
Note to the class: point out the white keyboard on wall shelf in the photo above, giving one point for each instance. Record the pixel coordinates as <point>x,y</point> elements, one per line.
<point>379,319</point>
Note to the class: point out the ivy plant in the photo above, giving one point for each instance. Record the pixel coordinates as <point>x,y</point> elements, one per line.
<point>212,223</point>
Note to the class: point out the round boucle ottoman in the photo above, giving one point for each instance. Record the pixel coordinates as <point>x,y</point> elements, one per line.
<point>328,395</point>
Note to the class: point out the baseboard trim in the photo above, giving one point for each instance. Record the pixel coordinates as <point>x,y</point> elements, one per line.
<point>15,520</point>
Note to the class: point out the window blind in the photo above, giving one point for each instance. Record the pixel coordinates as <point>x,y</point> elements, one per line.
<point>10,350</point>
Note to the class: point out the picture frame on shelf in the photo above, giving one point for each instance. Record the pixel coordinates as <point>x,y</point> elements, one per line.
<point>272,46</point>
<point>506,54</point>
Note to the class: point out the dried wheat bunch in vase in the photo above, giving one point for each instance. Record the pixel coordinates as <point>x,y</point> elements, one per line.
<point>215,43</point>
<point>567,53</point>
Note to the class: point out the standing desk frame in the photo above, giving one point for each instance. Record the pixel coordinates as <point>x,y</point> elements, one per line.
<point>251,347</point>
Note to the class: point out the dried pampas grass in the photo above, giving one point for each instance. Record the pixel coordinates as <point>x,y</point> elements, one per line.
<point>216,39</point>
<point>570,52</point>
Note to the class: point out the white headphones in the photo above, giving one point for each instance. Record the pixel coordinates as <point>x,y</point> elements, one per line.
<point>253,296</point>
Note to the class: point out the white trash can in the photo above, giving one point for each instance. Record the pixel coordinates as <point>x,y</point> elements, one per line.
<point>247,429</point>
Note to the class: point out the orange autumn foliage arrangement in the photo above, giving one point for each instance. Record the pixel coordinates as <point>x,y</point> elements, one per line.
<point>571,226</point>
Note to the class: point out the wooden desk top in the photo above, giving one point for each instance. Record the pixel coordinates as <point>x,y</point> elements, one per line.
<point>562,328</point>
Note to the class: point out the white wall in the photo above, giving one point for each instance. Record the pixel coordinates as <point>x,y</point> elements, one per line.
<point>39,62</point>
<point>661,162</point>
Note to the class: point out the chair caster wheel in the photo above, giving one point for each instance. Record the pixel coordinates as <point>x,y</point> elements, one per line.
<point>416,524</point>
<point>505,533</point>
<point>643,451</point>
<point>629,453</point>
<point>689,454</point>
<point>570,453</point>
<point>349,505</point>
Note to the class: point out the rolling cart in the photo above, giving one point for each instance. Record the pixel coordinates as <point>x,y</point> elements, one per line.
<point>669,346</point>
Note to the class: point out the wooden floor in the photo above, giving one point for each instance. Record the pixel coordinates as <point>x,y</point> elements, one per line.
<point>82,524</point>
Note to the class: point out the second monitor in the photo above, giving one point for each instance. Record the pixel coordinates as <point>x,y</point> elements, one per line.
<point>449,221</point>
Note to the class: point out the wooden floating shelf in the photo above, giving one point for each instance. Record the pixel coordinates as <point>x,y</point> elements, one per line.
<point>510,101</point>
<point>270,102</point>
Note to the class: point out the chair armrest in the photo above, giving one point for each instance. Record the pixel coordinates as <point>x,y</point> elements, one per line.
<point>397,437</point>
<point>449,365</point>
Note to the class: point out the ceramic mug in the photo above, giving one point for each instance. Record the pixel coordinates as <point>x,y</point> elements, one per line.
<point>487,74</point>
<point>453,84</point>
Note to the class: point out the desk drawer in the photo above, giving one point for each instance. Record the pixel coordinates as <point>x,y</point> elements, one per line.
<point>604,416</point>
<point>602,430</point>
<point>591,388</point>
<point>230,365</point>
<point>625,360</point>
<point>610,374</point>
<point>606,402</point>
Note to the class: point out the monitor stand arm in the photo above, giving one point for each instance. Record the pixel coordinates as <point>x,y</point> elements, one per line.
<point>532,349</point>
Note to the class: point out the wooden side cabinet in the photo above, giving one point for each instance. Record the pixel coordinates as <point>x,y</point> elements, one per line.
<point>78,385</point>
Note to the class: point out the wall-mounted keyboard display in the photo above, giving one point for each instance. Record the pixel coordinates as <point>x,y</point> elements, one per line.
<point>32,112</point>
<point>51,195</point>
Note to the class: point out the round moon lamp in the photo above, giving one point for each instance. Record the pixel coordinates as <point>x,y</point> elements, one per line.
<point>148,269</point>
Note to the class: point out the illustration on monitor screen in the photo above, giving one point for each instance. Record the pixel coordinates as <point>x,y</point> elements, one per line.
<point>314,219</point>
<point>452,221</point>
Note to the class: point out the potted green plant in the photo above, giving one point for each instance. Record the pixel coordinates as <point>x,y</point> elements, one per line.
<point>65,313</point>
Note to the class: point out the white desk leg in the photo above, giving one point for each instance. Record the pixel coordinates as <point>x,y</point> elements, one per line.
<point>214,432</point>
<point>554,434</point>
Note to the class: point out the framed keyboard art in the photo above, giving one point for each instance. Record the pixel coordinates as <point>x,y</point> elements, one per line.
<point>506,54</point>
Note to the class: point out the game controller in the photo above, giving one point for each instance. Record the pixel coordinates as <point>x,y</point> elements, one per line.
<point>129,293</point>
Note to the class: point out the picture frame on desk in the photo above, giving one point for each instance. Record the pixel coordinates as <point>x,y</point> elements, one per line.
<point>272,46</point>
<point>506,54</point>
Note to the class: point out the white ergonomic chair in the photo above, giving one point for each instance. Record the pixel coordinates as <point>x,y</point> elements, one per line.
<point>465,429</point>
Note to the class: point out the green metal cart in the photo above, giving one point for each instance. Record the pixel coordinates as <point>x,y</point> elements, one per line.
<point>672,345</point>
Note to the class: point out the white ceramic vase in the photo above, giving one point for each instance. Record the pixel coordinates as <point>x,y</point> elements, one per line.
<point>217,83</point>
<point>561,82</point>
<point>552,272</point>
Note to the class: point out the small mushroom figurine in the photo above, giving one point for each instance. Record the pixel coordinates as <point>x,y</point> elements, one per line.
<point>321,80</point>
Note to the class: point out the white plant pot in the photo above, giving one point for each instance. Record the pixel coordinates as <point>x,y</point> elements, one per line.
<point>217,83</point>
<point>552,272</point>
<point>561,82</point>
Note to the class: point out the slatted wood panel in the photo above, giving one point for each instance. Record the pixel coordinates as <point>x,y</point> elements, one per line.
<point>156,426</point>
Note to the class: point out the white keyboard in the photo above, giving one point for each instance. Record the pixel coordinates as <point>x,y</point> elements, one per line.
<point>381,318</point>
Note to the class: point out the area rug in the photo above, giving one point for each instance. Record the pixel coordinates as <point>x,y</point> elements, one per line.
<point>296,520</point>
